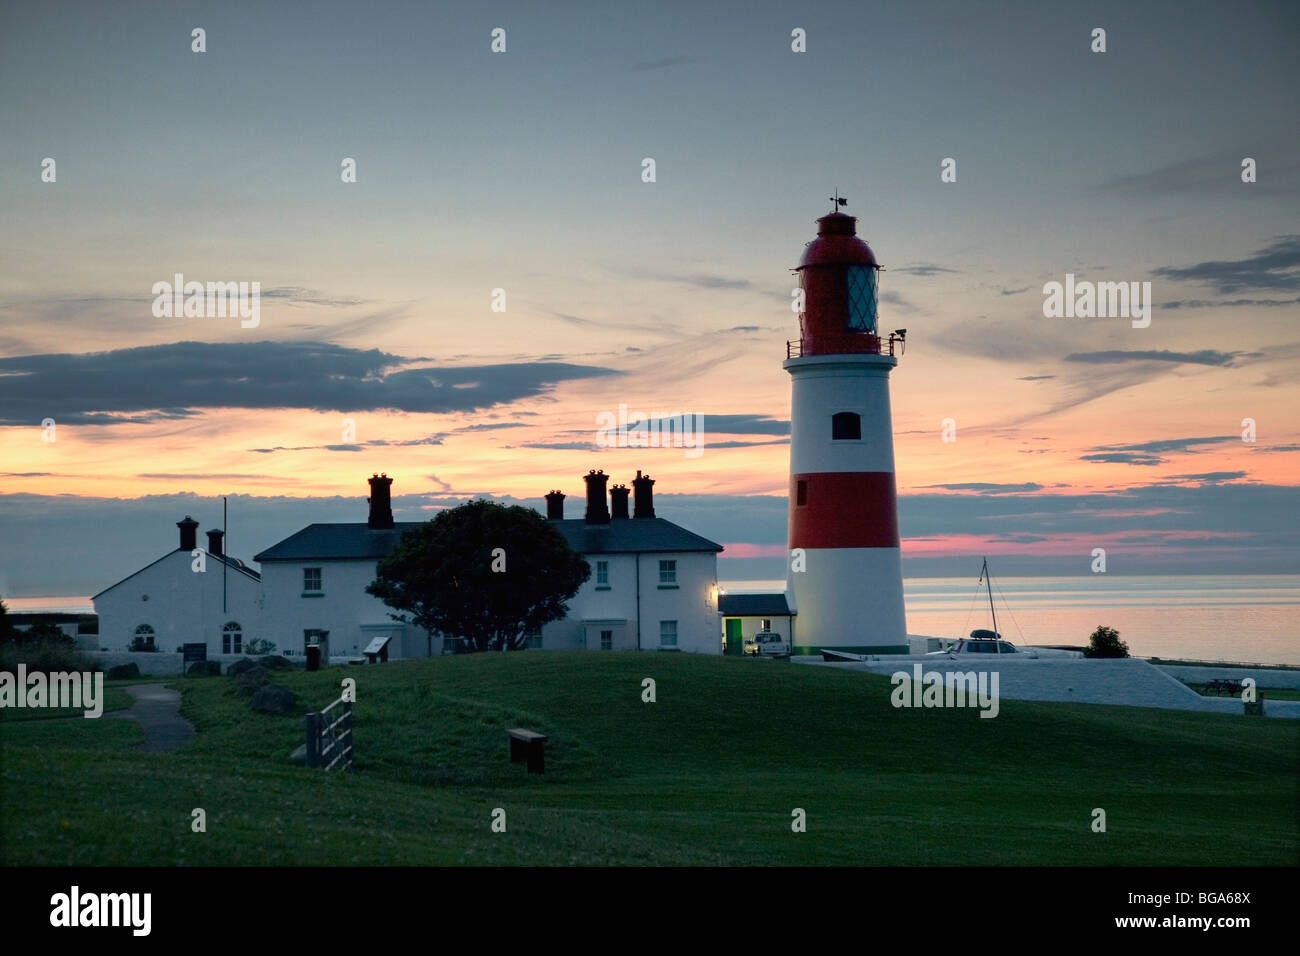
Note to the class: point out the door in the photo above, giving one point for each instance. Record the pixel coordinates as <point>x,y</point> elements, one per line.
<point>735,639</point>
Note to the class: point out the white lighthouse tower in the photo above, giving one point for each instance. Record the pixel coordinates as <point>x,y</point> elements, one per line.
<point>845,571</point>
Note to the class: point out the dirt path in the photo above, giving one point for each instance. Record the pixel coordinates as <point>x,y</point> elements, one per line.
<point>157,709</point>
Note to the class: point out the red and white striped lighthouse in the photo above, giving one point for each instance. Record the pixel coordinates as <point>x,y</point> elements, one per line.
<point>845,574</point>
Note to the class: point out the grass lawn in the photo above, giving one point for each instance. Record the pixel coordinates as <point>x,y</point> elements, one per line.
<point>115,698</point>
<point>708,774</point>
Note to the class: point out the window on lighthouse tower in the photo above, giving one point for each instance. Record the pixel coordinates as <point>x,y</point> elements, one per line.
<point>861,282</point>
<point>846,426</point>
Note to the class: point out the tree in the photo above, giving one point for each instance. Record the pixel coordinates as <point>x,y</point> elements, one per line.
<point>484,572</point>
<point>6,626</point>
<point>1105,642</point>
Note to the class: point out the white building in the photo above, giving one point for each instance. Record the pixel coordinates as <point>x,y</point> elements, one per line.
<point>653,584</point>
<point>171,602</point>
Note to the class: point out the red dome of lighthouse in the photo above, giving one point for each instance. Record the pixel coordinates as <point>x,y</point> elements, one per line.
<point>838,274</point>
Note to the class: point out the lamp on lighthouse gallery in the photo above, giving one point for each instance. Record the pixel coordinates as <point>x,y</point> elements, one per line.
<point>845,579</point>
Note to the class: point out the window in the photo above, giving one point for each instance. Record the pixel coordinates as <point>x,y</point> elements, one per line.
<point>533,639</point>
<point>606,640</point>
<point>801,492</point>
<point>232,638</point>
<point>313,636</point>
<point>767,624</point>
<point>311,579</point>
<point>667,572</point>
<point>602,574</point>
<point>667,633</point>
<point>143,640</point>
<point>861,281</point>
<point>846,426</point>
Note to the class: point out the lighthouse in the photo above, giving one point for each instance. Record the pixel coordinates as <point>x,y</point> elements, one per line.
<point>845,578</point>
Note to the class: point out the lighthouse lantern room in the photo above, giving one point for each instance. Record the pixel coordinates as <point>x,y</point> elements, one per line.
<point>845,577</point>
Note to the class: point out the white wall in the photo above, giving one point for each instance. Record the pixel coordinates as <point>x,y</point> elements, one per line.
<point>183,606</point>
<point>691,603</point>
<point>343,608</point>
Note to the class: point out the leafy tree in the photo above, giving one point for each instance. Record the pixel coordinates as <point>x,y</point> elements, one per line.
<point>6,626</point>
<point>1105,642</point>
<point>259,647</point>
<point>484,572</point>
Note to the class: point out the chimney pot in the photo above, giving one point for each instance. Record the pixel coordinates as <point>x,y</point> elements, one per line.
<point>597,508</point>
<point>381,505</point>
<point>643,496</point>
<point>555,506</point>
<point>189,533</point>
<point>215,542</point>
<point>618,501</point>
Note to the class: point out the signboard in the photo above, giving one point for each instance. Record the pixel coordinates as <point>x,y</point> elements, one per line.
<point>195,652</point>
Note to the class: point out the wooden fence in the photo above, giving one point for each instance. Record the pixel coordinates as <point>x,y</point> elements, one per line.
<point>329,737</point>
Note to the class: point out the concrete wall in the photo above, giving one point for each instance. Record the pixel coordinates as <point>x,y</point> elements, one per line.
<point>181,605</point>
<point>1264,676</point>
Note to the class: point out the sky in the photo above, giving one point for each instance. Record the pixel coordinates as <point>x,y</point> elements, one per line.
<point>377,347</point>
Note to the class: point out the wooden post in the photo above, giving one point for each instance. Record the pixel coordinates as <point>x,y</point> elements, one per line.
<point>313,739</point>
<point>347,733</point>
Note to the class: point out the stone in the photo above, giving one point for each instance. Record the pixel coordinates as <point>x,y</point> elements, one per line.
<point>123,670</point>
<point>275,662</point>
<point>250,681</point>
<point>274,699</point>
<point>241,665</point>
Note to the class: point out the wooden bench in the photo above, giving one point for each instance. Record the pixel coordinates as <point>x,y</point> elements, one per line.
<point>529,745</point>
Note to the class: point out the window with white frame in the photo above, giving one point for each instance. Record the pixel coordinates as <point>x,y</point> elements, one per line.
<point>667,633</point>
<point>311,579</point>
<point>602,574</point>
<point>667,572</point>
<point>606,640</point>
<point>232,638</point>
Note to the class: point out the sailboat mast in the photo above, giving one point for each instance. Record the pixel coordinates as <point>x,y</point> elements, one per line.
<point>988,580</point>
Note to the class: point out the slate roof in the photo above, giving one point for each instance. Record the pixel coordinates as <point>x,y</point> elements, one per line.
<point>753,605</point>
<point>321,542</point>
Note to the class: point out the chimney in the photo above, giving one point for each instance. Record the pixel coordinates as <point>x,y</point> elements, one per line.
<point>643,501</point>
<point>381,506</point>
<point>618,501</point>
<point>555,506</point>
<point>597,509</point>
<point>215,537</point>
<point>189,533</point>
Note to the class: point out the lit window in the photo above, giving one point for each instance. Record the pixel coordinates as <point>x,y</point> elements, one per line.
<point>846,426</point>
<point>311,579</point>
<point>602,574</point>
<point>667,633</point>
<point>667,572</point>
<point>232,638</point>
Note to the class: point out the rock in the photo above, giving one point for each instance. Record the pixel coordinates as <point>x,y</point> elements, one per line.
<point>249,681</point>
<point>276,662</point>
<point>241,665</point>
<point>123,670</point>
<point>214,668</point>
<point>274,699</point>
<point>208,668</point>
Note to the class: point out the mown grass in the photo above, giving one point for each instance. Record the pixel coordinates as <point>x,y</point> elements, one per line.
<point>115,698</point>
<point>707,774</point>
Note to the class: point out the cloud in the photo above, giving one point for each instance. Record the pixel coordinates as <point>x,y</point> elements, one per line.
<point>1016,291</point>
<point>1227,303</point>
<point>296,295</point>
<point>924,271</point>
<point>1035,378</point>
<point>896,300</point>
<point>491,426</point>
<point>171,381</point>
<point>1273,267</point>
<point>1211,477</point>
<point>1112,356</point>
<point>678,60</point>
<point>1169,444</point>
<point>996,489</point>
<point>357,446</point>
<point>736,425</point>
<point>1124,458</point>
<point>1201,176</point>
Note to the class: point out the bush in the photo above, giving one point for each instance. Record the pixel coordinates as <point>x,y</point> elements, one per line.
<point>259,647</point>
<point>44,655</point>
<point>1105,642</point>
<point>139,643</point>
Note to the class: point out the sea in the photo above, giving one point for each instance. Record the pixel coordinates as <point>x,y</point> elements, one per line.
<point>1251,619</point>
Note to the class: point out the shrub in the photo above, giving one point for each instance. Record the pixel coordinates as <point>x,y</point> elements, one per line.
<point>1105,642</point>
<point>139,643</point>
<point>44,655</point>
<point>259,647</point>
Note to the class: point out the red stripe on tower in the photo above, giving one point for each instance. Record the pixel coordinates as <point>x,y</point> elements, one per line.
<point>835,512</point>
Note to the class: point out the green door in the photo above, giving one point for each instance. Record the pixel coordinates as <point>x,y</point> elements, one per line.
<point>735,640</point>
